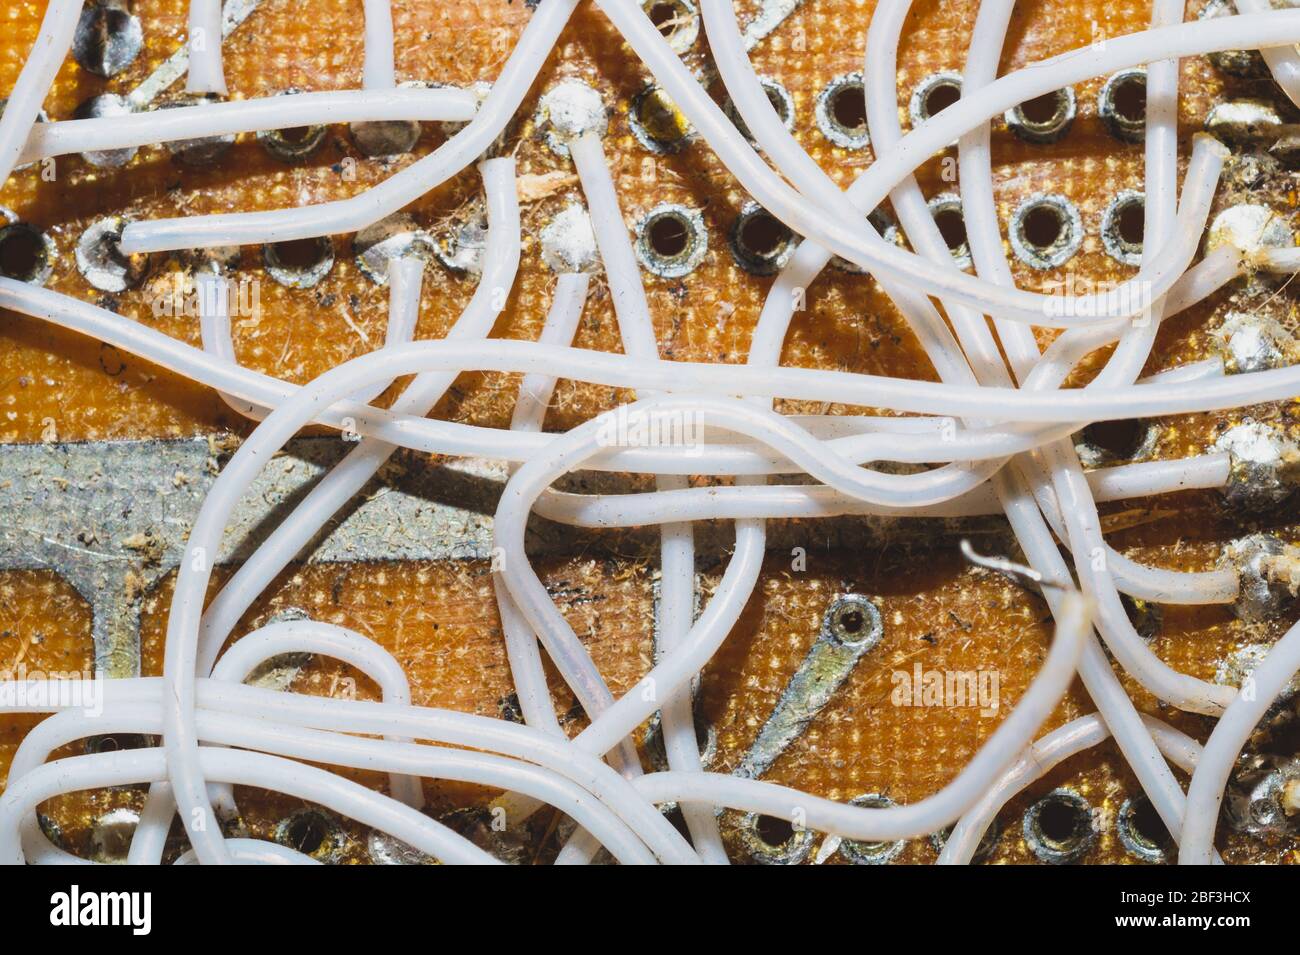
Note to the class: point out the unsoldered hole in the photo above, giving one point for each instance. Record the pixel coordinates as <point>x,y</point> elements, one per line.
<point>852,621</point>
<point>952,227</point>
<point>21,251</point>
<point>1042,226</point>
<point>1147,824</point>
<point>669,236</point>
<point>306,833</point>
<point>763,234</point>
<point>664,17</point>
<point>1130,99</point>
<point>1131,223</point>
<point>773,830</point>
<point>1041,110</point>
<point>302,254</point>
<point>1059,821</point>
<point>939,98</point>
<point>1119,439</point>
<point>849,108</point>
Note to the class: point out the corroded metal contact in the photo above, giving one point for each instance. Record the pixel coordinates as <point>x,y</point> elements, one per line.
<point>1059,828</point>
<point>1123,227</point>
<point>27,253</point>
<point>569,243</point>
<point>1122,104</point>
<point>1141,832</point>
<point>1250,343</point>
<point>657,123</point>
<point>1265,465</point>
<point>1145,615</point>
<point>677,20</point>
<point>947,213</point>
<point>671,240</point>
<point>777,95</point>
<point>295,144</point>
<point>771,841</point>
<point>569,109</point>
<point>101,261</point>
<point>1260,793</point>
<point>841,111</point>
<point>1044,119</point>
<point>396,237</point>
<point>108,38</point>
<point>1046,231</point>
<point>1243,63</point>
<point>300,263</point>
<point>312,832</point>
<point>1266,568</point>
<point>384,849</point>
<point>760,243</point>
<point>462,245</point>
<point>1243,121</point>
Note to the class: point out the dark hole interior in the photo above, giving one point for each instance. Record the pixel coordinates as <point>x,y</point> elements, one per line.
<point>940,98</point>
<point>952,227</point>
<point>1118,438</point>
<point>297,134</point>
<point>668,236</point>
<point>1041,109</point>
<point>849,107</point>
<point>762,234</point>
<point>664,17</point>
<point>1059,820</point>
<point>1130,99</point>
<point>20,254</point>
<point>773,831</point>
<point>1042,226</point>
<point>306,833</point>
<point>1148,825</point>
<point>1132,223</point>
<point>299,254</point>
<point>852,621</point>
<point>115,743</point>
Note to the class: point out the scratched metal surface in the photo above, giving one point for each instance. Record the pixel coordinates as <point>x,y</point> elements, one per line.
<point>104,458</point>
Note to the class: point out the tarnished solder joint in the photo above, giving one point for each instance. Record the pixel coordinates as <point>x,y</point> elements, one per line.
<point>1261,797</point>
<point>395,237</point>
<point>1265,465</point>
<point>569,109</point>
<point>1250,343</point>
<point>101,261</point>
<point>569,243</point>
<point>108,38</point>
<point>1269,571</point>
